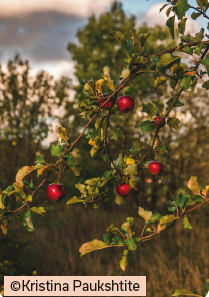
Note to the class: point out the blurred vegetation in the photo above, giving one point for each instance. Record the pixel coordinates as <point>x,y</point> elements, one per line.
<point>28,106</point>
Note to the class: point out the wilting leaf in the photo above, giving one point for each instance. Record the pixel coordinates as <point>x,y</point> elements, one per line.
<point>193,185</point>
<point>92,246</point>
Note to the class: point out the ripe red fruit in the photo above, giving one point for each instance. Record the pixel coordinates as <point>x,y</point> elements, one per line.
<point>123,190</point>
<point>125,103</point>
<point>109,104</point>
<point>55,191</point>
<point>159,120</point>
<point>155,167</point>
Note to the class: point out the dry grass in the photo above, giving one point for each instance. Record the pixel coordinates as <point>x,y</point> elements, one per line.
<point>177,258</point>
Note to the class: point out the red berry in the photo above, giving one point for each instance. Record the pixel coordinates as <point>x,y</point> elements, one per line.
<point>123,190</point>
<point>55,191</point>
<point>125,103</point>
<point>109,104</point>
<point>159,120</point>
<point>155,167</point>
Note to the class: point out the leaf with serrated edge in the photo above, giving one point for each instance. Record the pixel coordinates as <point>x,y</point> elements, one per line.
<point>193,185</point>
<point>62,133</point>
<point>91,246</point>
<point>98,85</point>
<point>22,172</point>
<point>145,214</point>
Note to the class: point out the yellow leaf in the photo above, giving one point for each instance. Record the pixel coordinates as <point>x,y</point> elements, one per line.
<point>62,132</point>
<point>92,142</point>
<point>99,84</point>
<point>129,161</point>
<point>109,82</point>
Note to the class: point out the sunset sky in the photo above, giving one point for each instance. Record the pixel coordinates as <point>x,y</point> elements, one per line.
<point>40,30</point>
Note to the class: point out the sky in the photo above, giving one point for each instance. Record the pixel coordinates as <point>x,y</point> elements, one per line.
<point>41,29</point>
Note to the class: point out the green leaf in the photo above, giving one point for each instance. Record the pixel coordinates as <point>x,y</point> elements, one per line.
<point>40,159</point>
<point>202,3</point>
<point>170,24</point>
<point>159,105</point>
<point>198,49</point>
<point>81,188</point>
<point>119,163</point>
<point>173,123</point>
<point>130,244</point>
<point>42,169</point>
<point>186,223</point>
<point>181,26</point>
<point>139,38</point>
<point>168,11</point>
<point>129,91</point>
<point>94,150</point>
<point>124,261</point>
<point>205,62</point>
<point>166,61</point>
<point>69,159</point>
<point>206,85</point>
<point>27,221</point>
<point>177,104</point>
<point>56,150</point>
<point>188,50</point>
<point>145,214</point>
<point>163,7</point>
<point>117,35</point>
<point>195,15</point>
<point>125,73</point>
<point>185,292</point>
<point>119,199</point>
<point>167,219</point>
<point>159,81</point>
<point>185,83</point>
<point>133,182</point>
<point>117,134</point>
<point>40,210</point>
<point>88,88</point>
<point>147,126</point>
<point>206,288</point>
<point>92,246</point>
<point>4,200</point>
<point>193,185</point>
<point>180,200</point>
<point>117,240</point>
<point>154,218</point>
<point>74,200</point>
<point>106,238</point>
<point>128,45</point>
<point>76,170</point>
<point>155,60</point>
<point>182,7</point>
<point>163,148</point>
<point>130,170</point>
<point>107,174</point>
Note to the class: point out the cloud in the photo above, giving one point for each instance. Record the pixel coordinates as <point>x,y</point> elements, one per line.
<point>81,8</point>
<point>57,68</point>
<point>40,30</point>
<point>152,17</point>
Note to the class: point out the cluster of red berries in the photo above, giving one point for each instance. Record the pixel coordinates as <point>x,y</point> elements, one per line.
<point>125,104</point>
